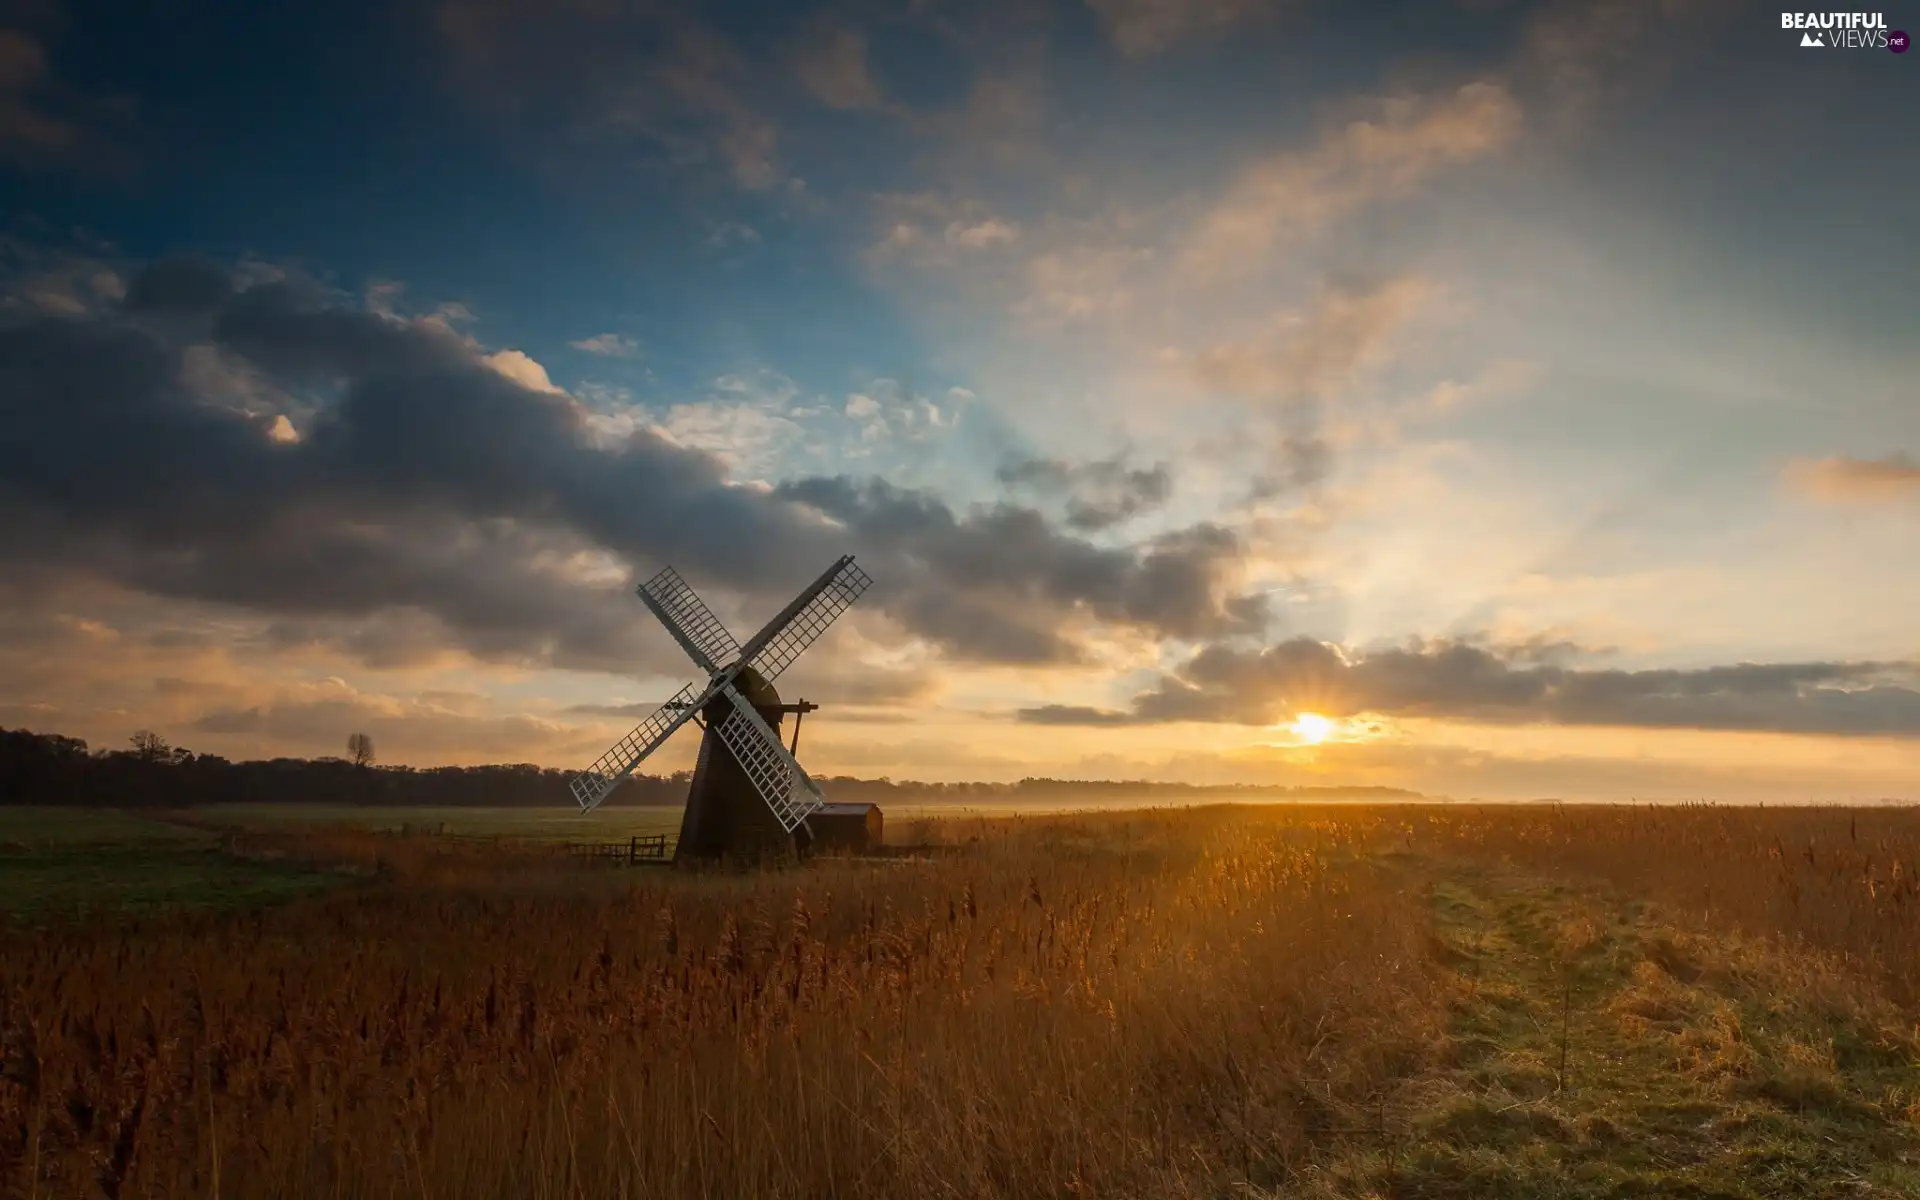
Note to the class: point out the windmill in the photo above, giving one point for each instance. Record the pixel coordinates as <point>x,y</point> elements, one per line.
<point>748,793</point>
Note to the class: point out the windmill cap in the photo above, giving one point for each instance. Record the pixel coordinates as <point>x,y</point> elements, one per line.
<point>755,687</point>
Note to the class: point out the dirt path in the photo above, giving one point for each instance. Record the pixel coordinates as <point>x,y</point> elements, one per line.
<point>1599,1050</point>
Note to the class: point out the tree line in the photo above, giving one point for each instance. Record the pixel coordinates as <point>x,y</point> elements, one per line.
<point>49,769</point>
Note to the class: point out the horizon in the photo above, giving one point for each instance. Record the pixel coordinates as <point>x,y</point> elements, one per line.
<point>1308,792</point>
<point>1490,400</point>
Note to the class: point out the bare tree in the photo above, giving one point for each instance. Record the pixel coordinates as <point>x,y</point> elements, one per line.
<point>150,746</point>
<point>360,750</point>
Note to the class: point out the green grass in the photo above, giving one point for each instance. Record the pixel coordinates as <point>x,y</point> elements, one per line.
<point>23,828</point>
<point>1598,1050</point>
<point>60,862</point>
<point>75,881</point>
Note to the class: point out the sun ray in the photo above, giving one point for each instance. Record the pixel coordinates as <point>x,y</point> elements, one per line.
<point>1311,728</point>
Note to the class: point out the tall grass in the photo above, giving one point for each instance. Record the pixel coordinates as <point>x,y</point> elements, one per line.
<point>1842,881</point>
<point>1147,1004</point>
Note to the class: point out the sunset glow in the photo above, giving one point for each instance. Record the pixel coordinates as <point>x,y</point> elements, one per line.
<point>1312,728</point>
<point>1176,370</point>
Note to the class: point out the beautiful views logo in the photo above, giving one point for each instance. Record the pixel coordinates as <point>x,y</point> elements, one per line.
<point>1845,31</point>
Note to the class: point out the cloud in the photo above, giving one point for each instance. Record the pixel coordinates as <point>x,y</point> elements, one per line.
<point>998,581</point>
<point>648,70</point>
<point>45,119</point>
<point>27,129</point>
<point>608,345</point>
<point>1098,494</point>
<point>746,425</point>
<point>1462,681</point>
<point>1075,714</point>
<point>522,369</point>
<point>1576,54</point>
<point>832,66</point>
<point>1314,353</point>
<point>1141,27</point>
<point>699,78</point>
<point>732,233</point>
<point>1084,281</point>
<point>1295,382</point>
<point>1384,154</point>
<point>991,232</point>
<point>436,495</point>
<point>934,230</point>
<point>1842,480</point>
<point>433,485</point>
<point>180,285</point>
<point>887,413</point>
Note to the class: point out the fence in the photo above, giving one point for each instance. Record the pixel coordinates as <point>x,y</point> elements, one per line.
<point>651,847</point>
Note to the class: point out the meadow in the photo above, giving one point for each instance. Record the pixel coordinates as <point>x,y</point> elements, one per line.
<point>64,863</point>
<point>1363,1001</point>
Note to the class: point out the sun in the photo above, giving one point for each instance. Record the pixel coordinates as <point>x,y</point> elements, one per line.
<point>1312,728</point>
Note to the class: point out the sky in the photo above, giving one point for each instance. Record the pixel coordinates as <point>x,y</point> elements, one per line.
<point>1491,399</point>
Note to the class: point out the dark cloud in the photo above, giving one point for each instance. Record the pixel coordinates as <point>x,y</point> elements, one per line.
<point>1001,580</point>
<point>111,467</point>
<point>188,285</point>
<point>1098,494</point>
<point>1143,27</point>
<point>1466,681</point>
<point>426,500</point>
<point>41,118</point>
<point>649,71</point>
<point>1075,714</point>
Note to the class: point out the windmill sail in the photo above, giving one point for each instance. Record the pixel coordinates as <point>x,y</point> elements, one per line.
<point>689,620</point>
<point>744,732</point>
<point>597,782</point>
<point>775,775</point>
<point>802,622</point>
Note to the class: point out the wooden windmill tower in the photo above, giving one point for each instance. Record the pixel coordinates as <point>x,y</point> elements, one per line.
<point>749,795</point>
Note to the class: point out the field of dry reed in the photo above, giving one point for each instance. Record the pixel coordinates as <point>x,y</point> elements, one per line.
<point>1166,1003</point>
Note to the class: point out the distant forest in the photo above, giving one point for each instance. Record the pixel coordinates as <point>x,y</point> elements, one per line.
<point>46,768</point>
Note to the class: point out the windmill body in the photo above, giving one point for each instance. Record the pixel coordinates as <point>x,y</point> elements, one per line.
<point>726,816</point>
<point>749,795</point>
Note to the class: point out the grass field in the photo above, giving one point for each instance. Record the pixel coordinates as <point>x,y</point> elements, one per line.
<point>561,824</point>
<point>24,829</point>
<point>1298,1001</point>
<point>58,863</point>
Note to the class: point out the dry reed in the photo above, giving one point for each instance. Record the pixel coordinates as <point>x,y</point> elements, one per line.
<point>1148,1004</point>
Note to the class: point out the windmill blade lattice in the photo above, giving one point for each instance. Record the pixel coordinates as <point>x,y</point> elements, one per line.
<point>597,782</point>
<point>774,648</point>
<point>776,776</point>
<point>744,733</point>
<point>689,620</point>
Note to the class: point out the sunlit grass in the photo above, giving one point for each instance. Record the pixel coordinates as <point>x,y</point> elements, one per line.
<point>1325,1000</point>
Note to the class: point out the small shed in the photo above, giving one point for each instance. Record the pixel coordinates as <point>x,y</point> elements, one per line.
<point>847,828</point>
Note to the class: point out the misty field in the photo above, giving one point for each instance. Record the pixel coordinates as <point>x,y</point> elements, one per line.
<point>1289,1000</point>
